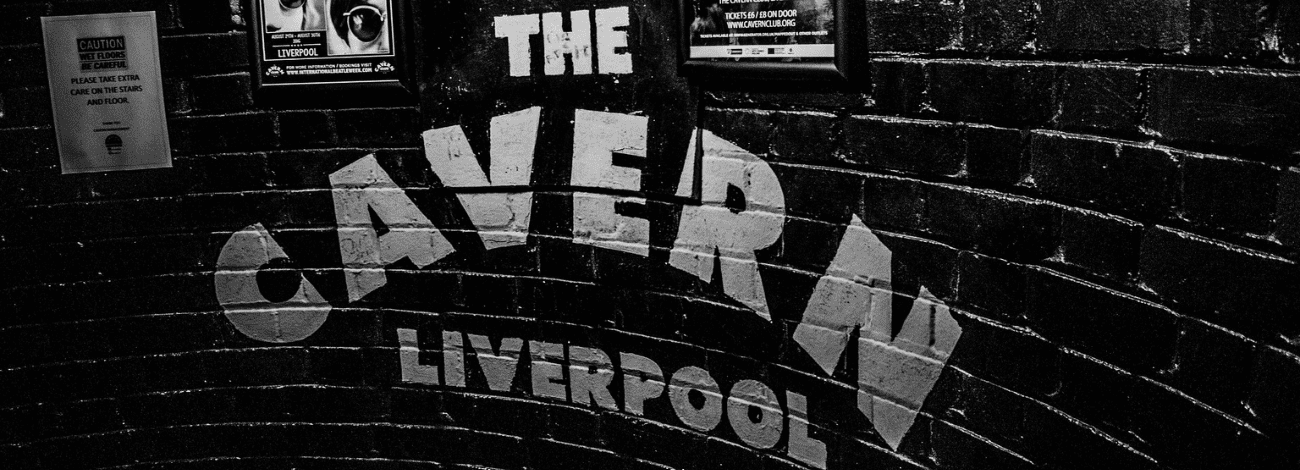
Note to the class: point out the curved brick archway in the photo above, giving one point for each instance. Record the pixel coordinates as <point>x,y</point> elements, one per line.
<point>1047,234</point>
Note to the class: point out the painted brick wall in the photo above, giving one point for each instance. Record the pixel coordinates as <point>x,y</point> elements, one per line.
<point>1048,234</point>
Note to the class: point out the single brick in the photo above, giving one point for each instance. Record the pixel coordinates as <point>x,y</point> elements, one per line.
<point>204,53</point>
<point>892,202</point>
<point>1229,194</point>
<point>1211,364</point>
<point>909,145</point>
<point>232,132</point>
<point>1104,245</point>
<point>1100,98</point>
<point>991,287</point>
<point>998,25</point>
<point>897,85</point>
<point>222,93</point>
<point>993,223</point>
<point>207,16</point>
<point>1228,28</point>
<point>1120,177</point>
<point>1241,289</point>
<point>805,136</point>
<point>806,188</point>
<point>1112,25</point>
<point>306,129</point>
<point>176,96</point>
<point>1224,109</point>
<point>995,154</point>
<point>913,25</point>
<point>379,127</point>
<point>1273,391</point>
<point>1117,328</point>
<point>991,93</point>
<point>1288,208</point>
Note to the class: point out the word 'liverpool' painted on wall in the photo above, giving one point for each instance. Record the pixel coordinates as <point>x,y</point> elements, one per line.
<point>740,210</point>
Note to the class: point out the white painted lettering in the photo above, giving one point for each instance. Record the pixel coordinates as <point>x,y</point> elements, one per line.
<point>516,29</point>
<point>502,218</point>
<point>801,447</point>
<point>749,395</point>
<point>742,210</point>
<point>408,352</point>
<point>498,365</point>
<point>590,373</point>
<point>246,253</point>
<point>609,152</point>
<point>642,380</point>
<point>361,189</point>
<point>453,359</point>
<point>557,43</point>
<point>690,379</point>
<point>548,373</point>
<point>608,40</point>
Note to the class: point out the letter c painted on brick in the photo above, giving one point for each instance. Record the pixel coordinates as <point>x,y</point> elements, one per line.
<point>248,253</point>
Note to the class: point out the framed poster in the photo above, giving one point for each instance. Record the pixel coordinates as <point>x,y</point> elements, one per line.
<point>106,91</point>
<point>314,46</point>
<point>773,39</point>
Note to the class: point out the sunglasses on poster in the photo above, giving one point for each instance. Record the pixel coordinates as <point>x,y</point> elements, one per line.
<point>366,22</point>
<point>291,4</point>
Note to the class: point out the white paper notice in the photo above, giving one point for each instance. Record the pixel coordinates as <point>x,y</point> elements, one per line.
<point>106,88</point>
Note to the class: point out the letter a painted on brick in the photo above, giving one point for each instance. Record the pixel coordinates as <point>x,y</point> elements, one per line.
<point>360,190</point>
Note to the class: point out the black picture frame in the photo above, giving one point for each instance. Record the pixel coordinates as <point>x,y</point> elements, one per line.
<point>367,78</point>
<point>849,66</point>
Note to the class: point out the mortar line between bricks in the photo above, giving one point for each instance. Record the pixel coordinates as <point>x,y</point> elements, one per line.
<point>263,424</point>
<point>232,458</point>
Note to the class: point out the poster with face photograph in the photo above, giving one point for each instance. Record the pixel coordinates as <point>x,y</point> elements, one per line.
<point>305,42</point>
<point>765,30</point>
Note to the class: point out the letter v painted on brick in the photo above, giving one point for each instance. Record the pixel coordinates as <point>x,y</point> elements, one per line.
<point>502,218</point>
<point>894,374</point>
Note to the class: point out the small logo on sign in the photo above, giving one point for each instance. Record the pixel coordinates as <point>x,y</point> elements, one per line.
<point>384,67</point>
<point>114,144</point>
<point>274,71</point>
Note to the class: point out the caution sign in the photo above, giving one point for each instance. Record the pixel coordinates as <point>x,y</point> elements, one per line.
<point>106,90</point>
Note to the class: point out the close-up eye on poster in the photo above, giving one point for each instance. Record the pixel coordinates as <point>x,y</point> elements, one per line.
<point>328,43</point>
<point>766,29</point>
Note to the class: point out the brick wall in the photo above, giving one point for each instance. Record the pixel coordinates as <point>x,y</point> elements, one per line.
<point>1104,196</point>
